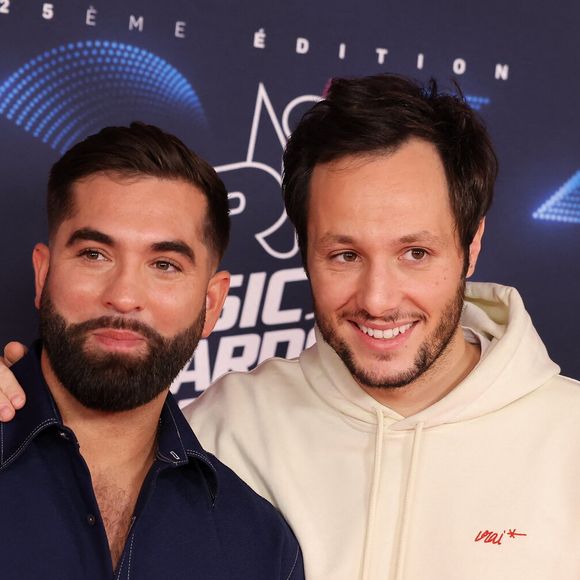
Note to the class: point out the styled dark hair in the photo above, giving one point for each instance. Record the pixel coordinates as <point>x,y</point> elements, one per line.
<point>373,114</point>
<point>139,150</point>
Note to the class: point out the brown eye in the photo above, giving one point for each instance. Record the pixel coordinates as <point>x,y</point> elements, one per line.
<point>418,253</point>
<point>348,256</point>
<point>92,255</point>
<point>415,255</point>
<point>166,266</point>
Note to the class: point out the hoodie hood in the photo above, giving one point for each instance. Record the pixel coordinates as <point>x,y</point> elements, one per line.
<point>510,369</point>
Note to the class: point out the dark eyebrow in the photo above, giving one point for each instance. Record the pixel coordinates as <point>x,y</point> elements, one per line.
<point>422,236</point>
<point>336,239</point>
<point>176,246</point>
<point>89,235</point>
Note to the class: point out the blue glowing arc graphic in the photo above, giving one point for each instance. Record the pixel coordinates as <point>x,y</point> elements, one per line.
<point>68,92</point>
<point>564,205</point>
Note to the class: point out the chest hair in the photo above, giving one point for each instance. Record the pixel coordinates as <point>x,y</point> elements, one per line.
<point>116,506</point>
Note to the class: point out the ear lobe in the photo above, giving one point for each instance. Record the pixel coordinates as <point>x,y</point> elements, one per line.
<point>217,291</point>
<point>475,248</point>
<point>40,263</point>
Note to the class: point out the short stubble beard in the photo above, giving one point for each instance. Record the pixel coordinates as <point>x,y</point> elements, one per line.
<point>113,382</point>
<point>432,348</point>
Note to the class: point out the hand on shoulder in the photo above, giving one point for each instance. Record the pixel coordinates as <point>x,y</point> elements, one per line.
<point>12,396</point>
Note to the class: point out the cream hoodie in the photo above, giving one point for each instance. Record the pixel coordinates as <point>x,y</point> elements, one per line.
<point>484,484</point>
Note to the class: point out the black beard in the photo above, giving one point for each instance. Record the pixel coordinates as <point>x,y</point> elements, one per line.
<point>113,382</point>
<point>432,348</point>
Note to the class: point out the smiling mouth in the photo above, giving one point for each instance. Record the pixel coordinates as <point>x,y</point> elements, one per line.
<point>386,334</point>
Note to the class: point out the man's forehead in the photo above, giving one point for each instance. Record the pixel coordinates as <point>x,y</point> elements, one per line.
<point>385,198</point>
<point>410,173</point>
<point>118,181</point>
<point>166,208</point>
<point>148,194</point>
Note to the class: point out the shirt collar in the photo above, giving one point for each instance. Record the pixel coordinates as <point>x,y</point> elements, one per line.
<point>39,413</point>
<point>176,443</point>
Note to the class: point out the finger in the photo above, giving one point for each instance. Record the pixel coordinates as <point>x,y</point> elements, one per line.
<point>6,410</point>
<point>13,352</point>
<point>6,407</point>
<point>11,394</point>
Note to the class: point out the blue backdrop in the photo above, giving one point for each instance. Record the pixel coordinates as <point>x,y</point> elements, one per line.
<point>232,79</point>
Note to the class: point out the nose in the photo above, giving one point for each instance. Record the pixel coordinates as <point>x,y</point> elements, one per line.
<point>124,291</point>
<point>380,290</point>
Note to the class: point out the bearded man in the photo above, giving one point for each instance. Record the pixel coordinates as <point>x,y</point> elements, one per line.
<point>100,475</point>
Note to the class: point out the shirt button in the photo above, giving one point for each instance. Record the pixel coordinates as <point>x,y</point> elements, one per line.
<point>64,435</point>
<point>91,519</point>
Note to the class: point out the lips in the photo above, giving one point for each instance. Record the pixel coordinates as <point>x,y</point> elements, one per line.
<point>122,335</point>
<point>122,339</point>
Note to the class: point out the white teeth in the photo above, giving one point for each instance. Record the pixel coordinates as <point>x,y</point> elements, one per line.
<point>387,333</point>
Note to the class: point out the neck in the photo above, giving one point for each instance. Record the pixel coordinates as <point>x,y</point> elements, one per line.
<point>454,364</point>
<point>108,440</point>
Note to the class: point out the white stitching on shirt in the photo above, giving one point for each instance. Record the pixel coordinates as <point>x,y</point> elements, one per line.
<point>205,461</point>
<point>294,565</point>
<point>204,457</point>
<point>130,555</point>
<point>176,427</point>
<point>1,443</point>
<point>120,566</point>
<point>25,442</point>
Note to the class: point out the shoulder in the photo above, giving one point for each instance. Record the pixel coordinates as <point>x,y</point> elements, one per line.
<point>269,373</point>
<point>246,418</point>
<point>249,524</point>
<point>555,407</point>
<point>246,404</point>
<point>274,382</point>
<point>563,390</point>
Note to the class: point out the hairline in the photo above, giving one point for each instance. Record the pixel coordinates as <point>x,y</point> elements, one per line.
<point>371,154</point>
<point>128,176</point>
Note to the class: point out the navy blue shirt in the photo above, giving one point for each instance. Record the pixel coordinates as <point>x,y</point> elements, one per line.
<point>194,518</point>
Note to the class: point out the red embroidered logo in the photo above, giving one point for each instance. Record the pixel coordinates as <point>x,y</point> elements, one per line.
<point>491,537</point>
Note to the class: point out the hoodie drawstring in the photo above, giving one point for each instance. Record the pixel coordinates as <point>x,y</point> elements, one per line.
<point>407,506</point>
<point>408,502</point>
<point>374,494</point>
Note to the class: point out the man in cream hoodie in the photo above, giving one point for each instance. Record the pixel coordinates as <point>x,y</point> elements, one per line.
<point>427,434</point>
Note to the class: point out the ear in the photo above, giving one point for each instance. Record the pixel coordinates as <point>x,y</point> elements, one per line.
<point>475,248</point>
<point>40,262</point>
<point>217,290</point>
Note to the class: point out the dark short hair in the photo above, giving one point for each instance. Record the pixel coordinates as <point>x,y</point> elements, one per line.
<point>373,114</point>
<point>139,150</point>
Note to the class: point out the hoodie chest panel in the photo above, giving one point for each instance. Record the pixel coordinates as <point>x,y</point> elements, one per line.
<point>482,485</point>
<point>325,494</point>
